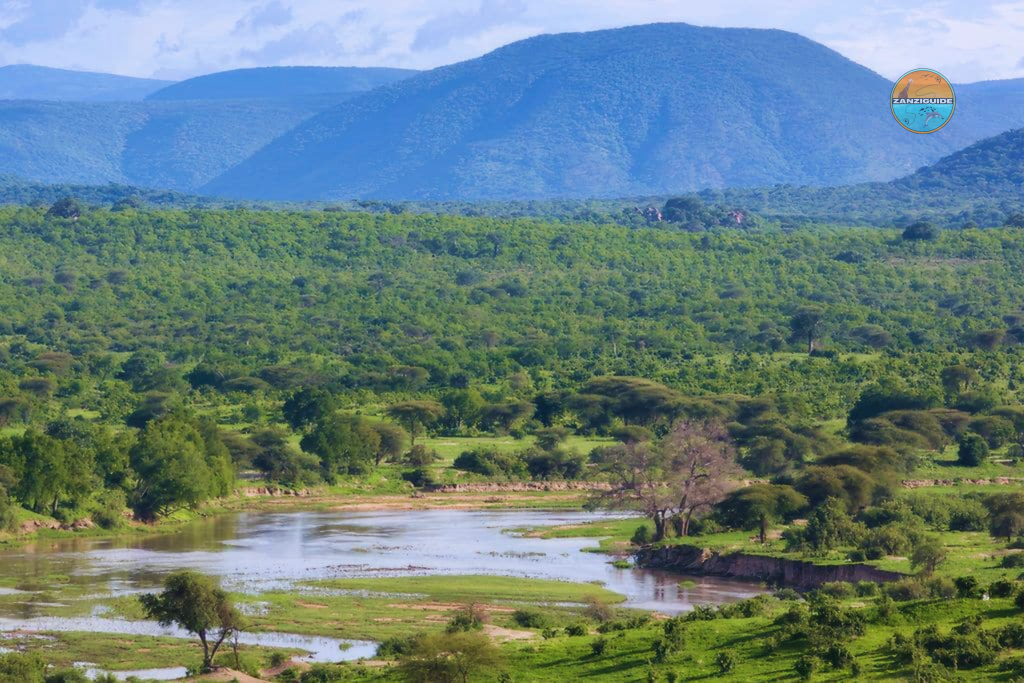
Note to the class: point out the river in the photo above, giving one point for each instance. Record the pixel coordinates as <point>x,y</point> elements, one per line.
<point>256,552</point>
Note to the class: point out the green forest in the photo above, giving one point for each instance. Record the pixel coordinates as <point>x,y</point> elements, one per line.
<point>834,395</point>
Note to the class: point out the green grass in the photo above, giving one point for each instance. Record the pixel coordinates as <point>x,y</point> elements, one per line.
<point>476,588</point>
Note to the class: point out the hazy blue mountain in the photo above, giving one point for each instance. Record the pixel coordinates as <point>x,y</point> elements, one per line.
<point>646,110</point>
<point>982,184</point>
<point>27,82</point>
<point>277,82</point>
<point>168,145</point>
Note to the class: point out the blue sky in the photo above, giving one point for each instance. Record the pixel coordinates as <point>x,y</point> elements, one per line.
<point>967,40</point>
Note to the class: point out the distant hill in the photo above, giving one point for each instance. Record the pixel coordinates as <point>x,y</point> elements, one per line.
<point>645,110</point>
<point>27,82</point>
<point>167,145</point>
<point>24,192</point>
<point>281,82</point>
<point>981,184</point>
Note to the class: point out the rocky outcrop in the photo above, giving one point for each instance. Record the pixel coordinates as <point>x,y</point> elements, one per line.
<point>272,491</point>
<point>521,486</point>
<point>688,559</point>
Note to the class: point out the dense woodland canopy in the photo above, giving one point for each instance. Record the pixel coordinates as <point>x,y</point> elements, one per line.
<point>136,318</point>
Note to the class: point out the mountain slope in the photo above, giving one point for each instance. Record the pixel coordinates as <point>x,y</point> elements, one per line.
<point>637,111</point>
<point>167,145</point>
<point>27,82</point>
<point>982,184</point>
<point>280,82</point>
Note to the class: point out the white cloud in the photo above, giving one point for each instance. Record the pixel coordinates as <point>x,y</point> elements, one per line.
<point>179,38</point>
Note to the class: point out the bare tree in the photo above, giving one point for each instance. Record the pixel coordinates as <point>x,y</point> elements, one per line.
<point>700,464</point>
<point>638,483</point>
<point>690,470</point>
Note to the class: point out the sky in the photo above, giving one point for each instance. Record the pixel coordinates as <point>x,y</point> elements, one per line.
<point>965,40</point>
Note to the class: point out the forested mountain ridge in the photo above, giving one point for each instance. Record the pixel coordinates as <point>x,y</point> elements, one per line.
<point>29,82</point>
<point>644,110</point>
<point>982,184</point>
<point>280,82</point>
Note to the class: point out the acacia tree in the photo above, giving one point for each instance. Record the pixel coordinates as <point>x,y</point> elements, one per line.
<point>197,604</point>
<point>760,505</point>
<point>416,416</point>
<point>806,324</point>
<point>700,465</point>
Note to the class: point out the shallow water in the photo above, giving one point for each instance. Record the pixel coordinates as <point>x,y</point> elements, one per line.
<point>255,552</point>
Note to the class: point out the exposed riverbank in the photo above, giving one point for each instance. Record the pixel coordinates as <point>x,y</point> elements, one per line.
<point>799,574</point>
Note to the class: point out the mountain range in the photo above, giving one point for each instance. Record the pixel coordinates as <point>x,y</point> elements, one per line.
<point>646,110</point>
<point>28,82</point>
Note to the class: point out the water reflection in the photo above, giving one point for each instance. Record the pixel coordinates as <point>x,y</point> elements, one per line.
<point>255,552</point>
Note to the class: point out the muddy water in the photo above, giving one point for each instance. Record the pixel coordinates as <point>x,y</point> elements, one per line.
<point>255,552</point>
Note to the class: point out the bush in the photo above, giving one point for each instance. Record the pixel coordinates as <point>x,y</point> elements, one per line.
<point>531,618</point>
<point>598,646</point>
<point>421,477</point>
<point>1019,600</point>
<point>905,590</point>
<point>967,586</point>
<point>395,647</point>
<point>866,589</point>
<point>941,587</point>
<point>1012,561</point>
<point>1001,588</point>
<point>726,662</point>
<point>642,535</point>
<point>806,666</point>
<point>837,589</point>
<point>469,618</point>
<point>856,556</point>
<point>973,450</point>
<point>874,553</point>
<point>110,508</point>
<point>576,630</point>
<point>785,594</point>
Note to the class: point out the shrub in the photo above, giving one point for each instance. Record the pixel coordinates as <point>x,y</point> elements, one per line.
<point>866,589</point>
<point>642,535</point>
<point>967,586</point>
<point>469,618</point>
<point>885,611</point>
<point>389,648</point>
<point>856,556</point>
<point>1001,588</point>
<point>837,589</point>
<point>806,666</point>
<point>1011,636</point>
<point>745,609</point>
<point>1019,600</point>
<point>110,508</point>
<point>598,646</point>
<point>972,451</point>
<point>874,553</point>
<point>1012,561</point>
<point>941,587</point>
<point>785,594</point>
<point>576,630</point>
<point>905,590</point>
<point>549,633</point>
<point>531,618</point>
<point>726,662</point>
